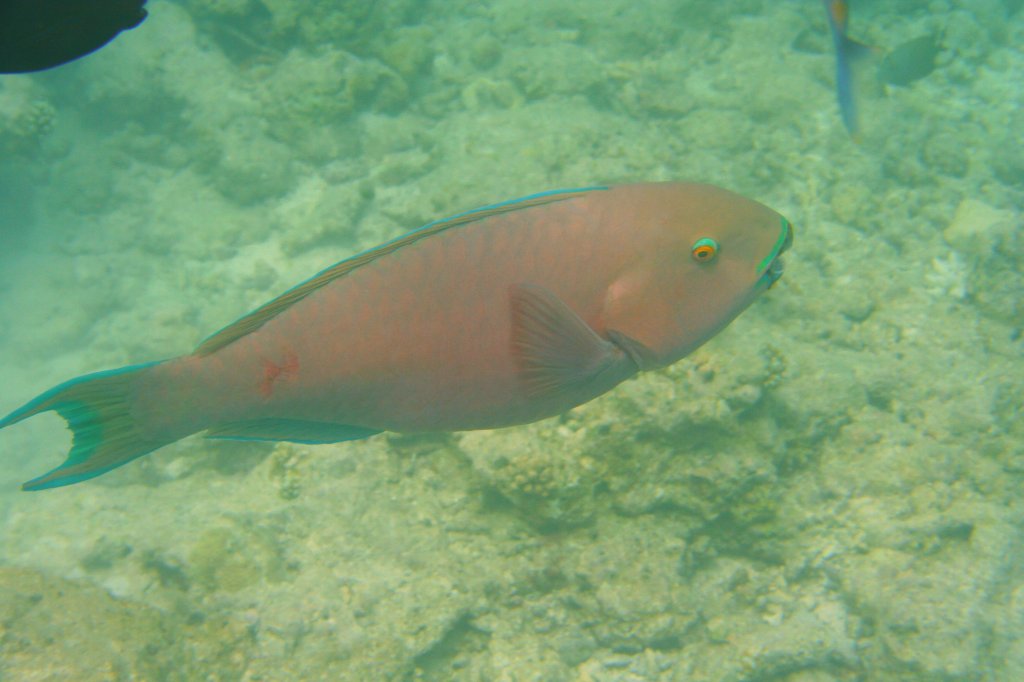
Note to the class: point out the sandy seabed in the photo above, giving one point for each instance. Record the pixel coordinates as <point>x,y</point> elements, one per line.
<point>828,490</point>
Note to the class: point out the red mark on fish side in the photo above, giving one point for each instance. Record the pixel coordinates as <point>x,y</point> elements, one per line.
<point>288,367</point>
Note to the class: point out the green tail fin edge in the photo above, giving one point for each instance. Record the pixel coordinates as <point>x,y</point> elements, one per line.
<point>105,435</point>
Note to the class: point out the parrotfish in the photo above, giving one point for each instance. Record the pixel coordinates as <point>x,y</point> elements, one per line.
<point>41,34</point>
<point>847,52</point>
<point>499,316</point>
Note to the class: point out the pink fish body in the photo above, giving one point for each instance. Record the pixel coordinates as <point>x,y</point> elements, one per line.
<point>500,316</point>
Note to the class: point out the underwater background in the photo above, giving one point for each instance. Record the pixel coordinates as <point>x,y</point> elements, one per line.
<point>830,489</point>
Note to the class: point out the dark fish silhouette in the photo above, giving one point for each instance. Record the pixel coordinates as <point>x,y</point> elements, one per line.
<point>911,61</point>
<point>40,34</point>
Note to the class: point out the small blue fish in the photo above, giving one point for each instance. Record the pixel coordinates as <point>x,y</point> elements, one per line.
<point>847,51</point>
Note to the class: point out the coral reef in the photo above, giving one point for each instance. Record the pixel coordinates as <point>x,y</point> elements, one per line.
<point>829,490</point>
<point>26,118</point>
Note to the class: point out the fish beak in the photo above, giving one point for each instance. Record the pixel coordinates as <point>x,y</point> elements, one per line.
<point>773,265</point>
<point>775,271</point>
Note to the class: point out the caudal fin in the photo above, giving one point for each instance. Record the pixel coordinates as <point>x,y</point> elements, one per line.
<point>99,416</point>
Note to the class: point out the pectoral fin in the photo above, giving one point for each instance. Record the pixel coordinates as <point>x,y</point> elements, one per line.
<point>642,356</point>
<point>557,350</point>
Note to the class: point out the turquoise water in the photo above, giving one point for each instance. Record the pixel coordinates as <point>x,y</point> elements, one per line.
<point>828,490</point>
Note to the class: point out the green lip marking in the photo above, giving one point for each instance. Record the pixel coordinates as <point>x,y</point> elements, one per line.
<point>780,243</point>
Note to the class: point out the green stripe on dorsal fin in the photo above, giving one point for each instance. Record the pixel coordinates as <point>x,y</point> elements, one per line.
<point>257,318</point>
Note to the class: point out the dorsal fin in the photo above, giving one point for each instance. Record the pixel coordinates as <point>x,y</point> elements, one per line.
<point>257,318</point>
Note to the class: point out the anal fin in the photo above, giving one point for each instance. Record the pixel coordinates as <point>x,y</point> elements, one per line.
<point>291,430</point>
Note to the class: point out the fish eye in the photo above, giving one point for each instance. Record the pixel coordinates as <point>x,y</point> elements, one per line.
<point>704,250</point>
